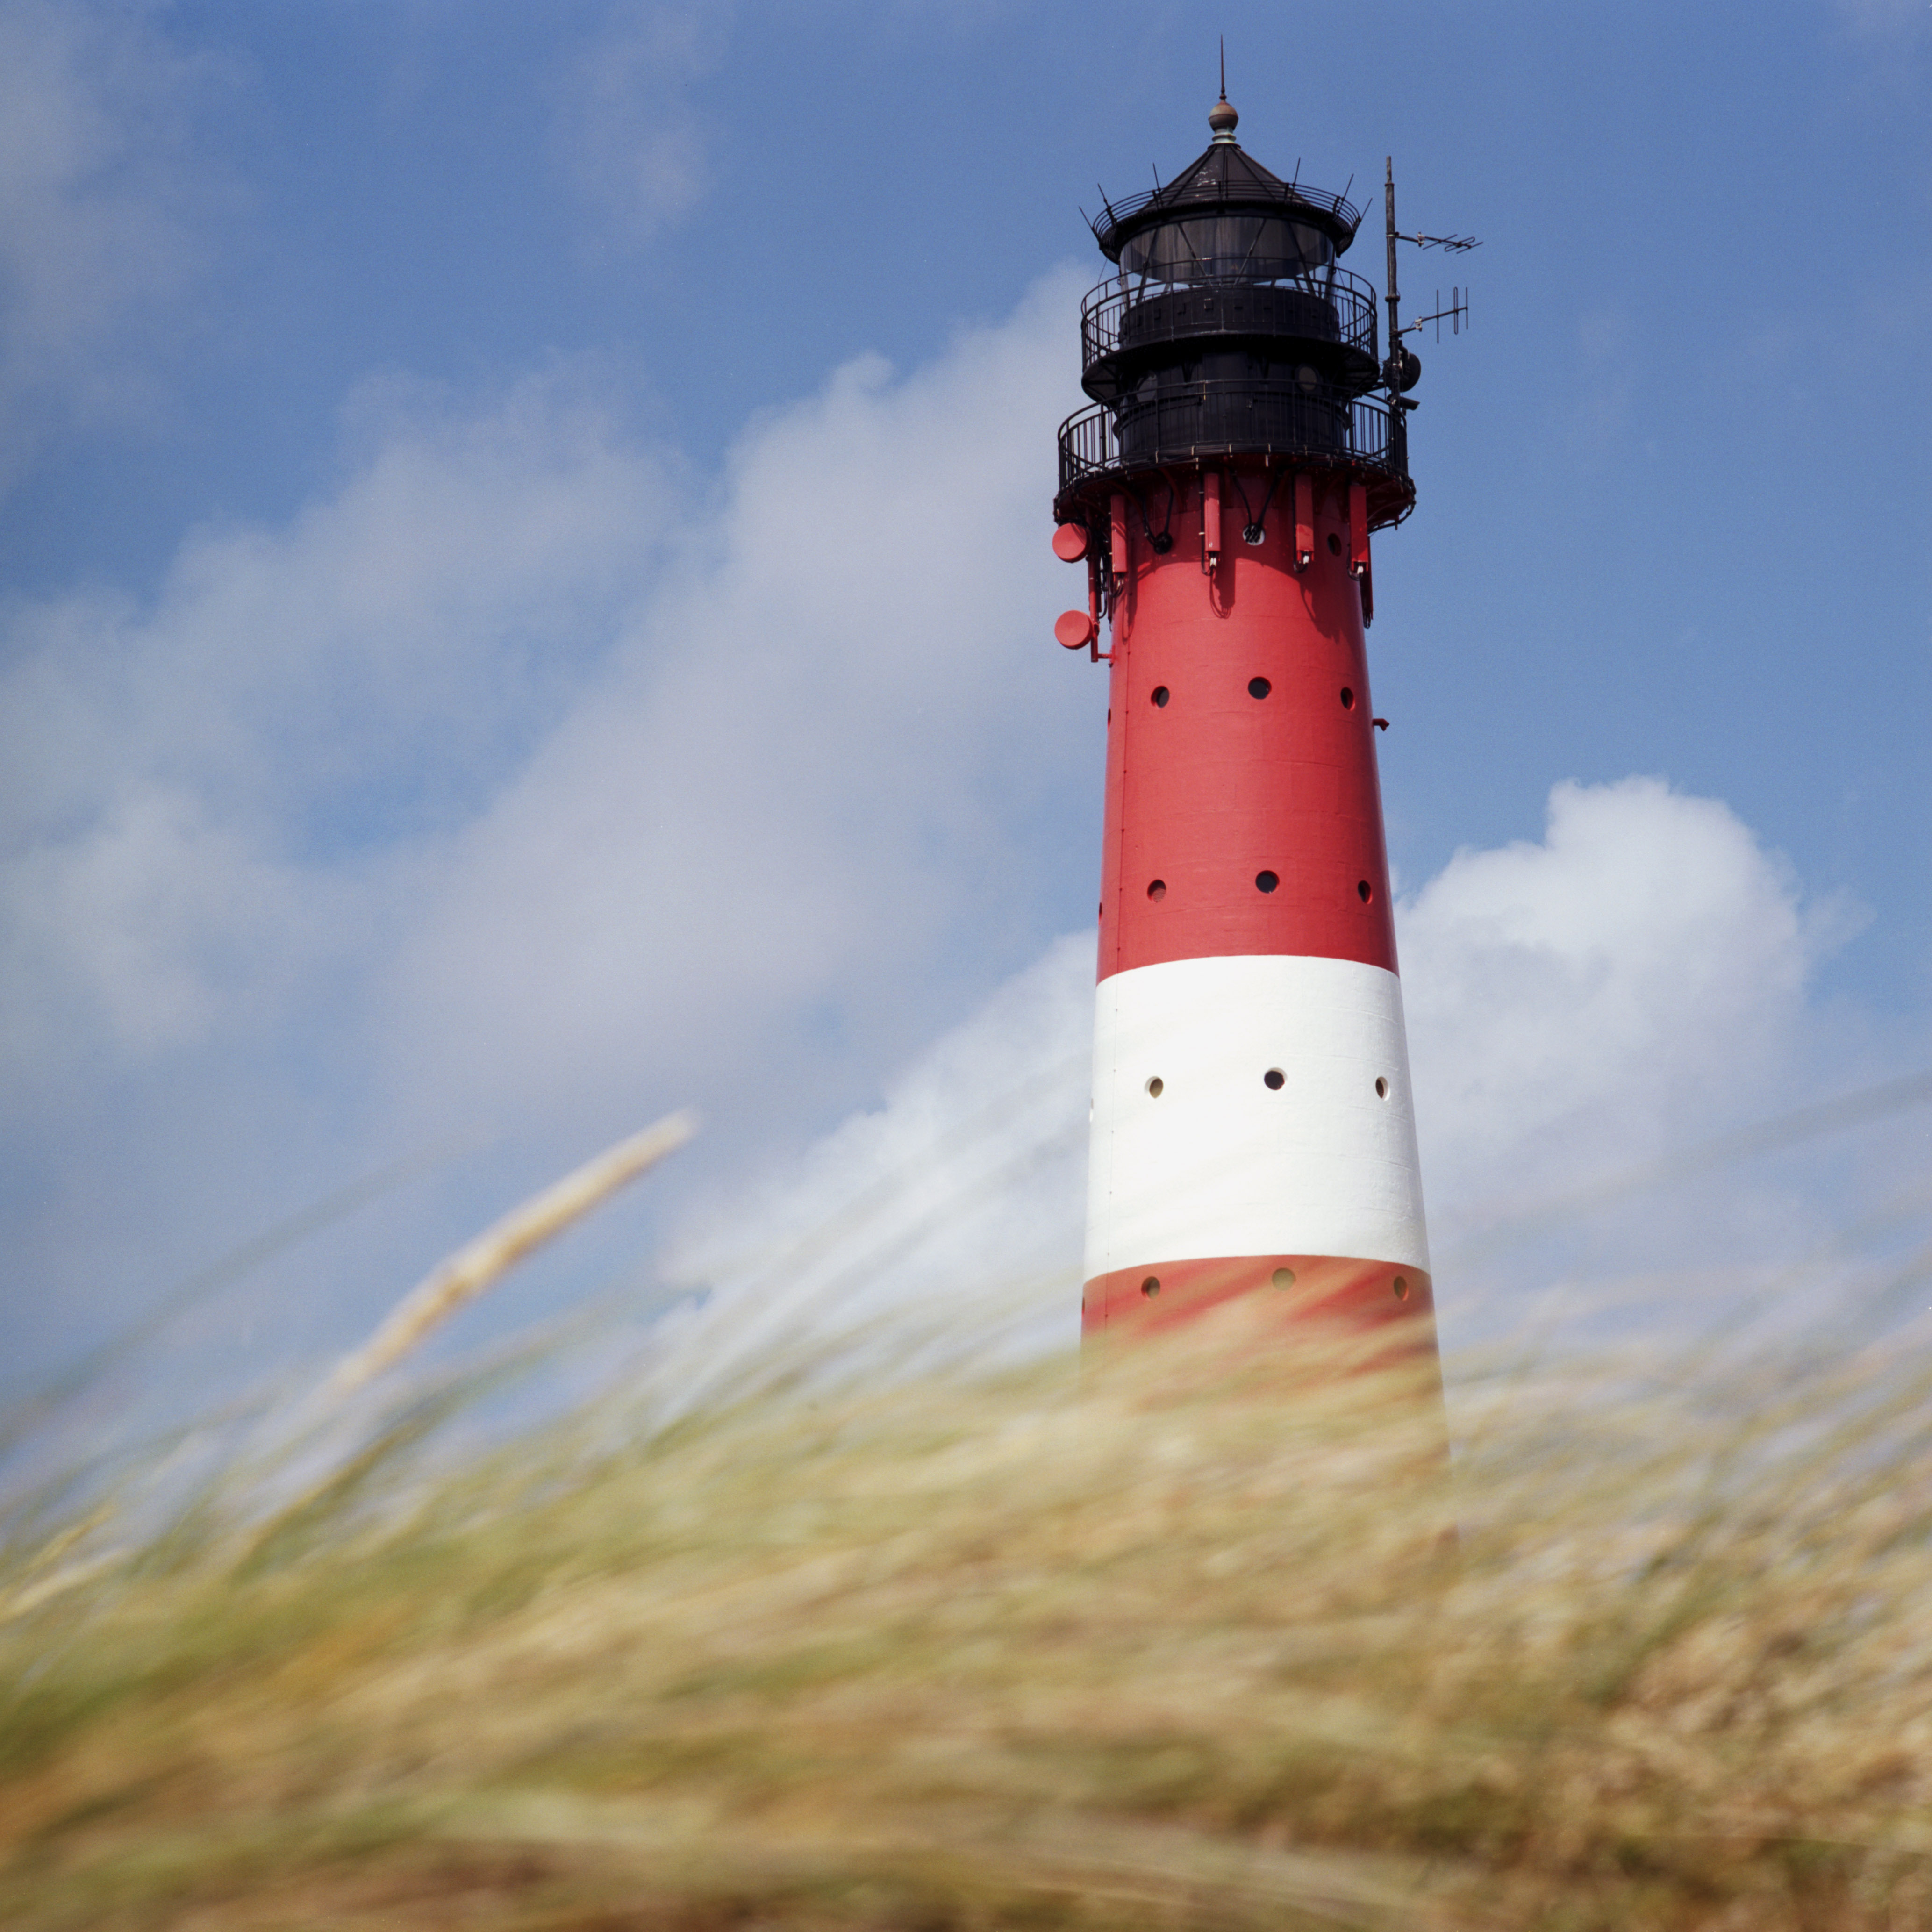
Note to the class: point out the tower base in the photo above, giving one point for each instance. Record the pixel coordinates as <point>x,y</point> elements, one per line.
<point>1364,1297</point>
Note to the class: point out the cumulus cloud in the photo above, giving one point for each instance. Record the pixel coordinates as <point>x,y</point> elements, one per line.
<point>1636,978</point>
<point>102,209</point>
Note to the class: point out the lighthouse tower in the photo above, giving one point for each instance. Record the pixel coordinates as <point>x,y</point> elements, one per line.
<point>1252,1130</point>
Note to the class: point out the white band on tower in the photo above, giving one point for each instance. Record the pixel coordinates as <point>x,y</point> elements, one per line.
<point>1198,1152</point>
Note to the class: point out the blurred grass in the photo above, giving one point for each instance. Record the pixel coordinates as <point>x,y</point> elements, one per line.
<point>1170,1644</point>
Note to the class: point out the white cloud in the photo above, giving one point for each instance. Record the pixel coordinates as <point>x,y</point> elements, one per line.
<point>1635,979</point>
<point>959,1201</point>
<point>802,794</point>
<point>147,924</point>
<point>101,212</point>
<point>203,796</point>
<point>519,783</point>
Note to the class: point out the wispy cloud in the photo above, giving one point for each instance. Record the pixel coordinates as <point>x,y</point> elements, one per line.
<point>103,214</point>
<point>521,780</point>
<point>1884,19</point>
<point>202,792</point>
<point>626,130</point>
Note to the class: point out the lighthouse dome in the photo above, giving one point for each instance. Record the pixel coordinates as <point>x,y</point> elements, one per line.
<point>1225,215</point>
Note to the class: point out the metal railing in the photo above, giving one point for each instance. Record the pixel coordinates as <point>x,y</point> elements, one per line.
<point>1291,197</point>
<point>1267,299</point>
<point>1183,424</point>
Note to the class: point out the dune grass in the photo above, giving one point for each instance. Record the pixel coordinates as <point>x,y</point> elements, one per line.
<point>1166,1645</point>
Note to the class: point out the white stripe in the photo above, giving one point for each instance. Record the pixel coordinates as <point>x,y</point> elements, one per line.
<point>1220,1165</point>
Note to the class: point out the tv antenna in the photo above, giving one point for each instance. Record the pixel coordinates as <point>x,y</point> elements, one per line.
<point>1404,367</point>
<point>1456,315</point>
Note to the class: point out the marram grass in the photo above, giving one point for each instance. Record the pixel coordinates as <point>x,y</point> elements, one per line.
<point>1159,1646</point>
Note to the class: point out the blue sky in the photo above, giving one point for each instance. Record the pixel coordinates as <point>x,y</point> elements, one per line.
<point>523,597</point>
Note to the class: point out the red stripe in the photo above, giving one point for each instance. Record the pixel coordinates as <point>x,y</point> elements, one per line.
<point>1215,787</point>
<point>1329,1288</point>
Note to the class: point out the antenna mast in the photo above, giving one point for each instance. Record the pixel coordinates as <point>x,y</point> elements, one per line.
<point>1403,366</point>
<point>1398,405</point>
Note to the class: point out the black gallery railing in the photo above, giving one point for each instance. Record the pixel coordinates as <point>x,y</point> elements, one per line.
<point>1288,198</point>
<point>1181,424</point>
<point>1269,301</point>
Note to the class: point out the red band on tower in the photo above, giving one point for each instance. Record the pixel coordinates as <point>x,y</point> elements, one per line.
<point>1240,749</point>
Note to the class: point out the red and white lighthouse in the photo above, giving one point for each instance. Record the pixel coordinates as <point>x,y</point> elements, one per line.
<point>1252,1128</point>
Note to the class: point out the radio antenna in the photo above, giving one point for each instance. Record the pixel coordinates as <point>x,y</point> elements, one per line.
<point>1402,369</point>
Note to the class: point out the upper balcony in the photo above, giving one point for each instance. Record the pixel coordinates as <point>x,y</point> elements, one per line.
<point>1294,425</point>
<point>1128,325</point>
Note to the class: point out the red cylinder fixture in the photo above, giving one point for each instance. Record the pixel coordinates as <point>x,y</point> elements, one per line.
<point>1252,1130</point>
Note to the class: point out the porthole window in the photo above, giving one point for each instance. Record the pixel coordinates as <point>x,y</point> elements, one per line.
<point>1258,687</point>
<point>1334,544</point>
<point>1283,1277</point>
<point>1401,1287</point>
<point>1266,882</point>
<point>1156,1087</point>
<point>1160,695</point>
<point>1381,1087</point>
<point>1347,700</point>
<point>1274,1080</point>
<point>1156,889</point>
<point>1151,1286</point>
<point>1364,891</point>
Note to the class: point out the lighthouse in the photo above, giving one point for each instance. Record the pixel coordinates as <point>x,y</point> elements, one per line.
<point>1253,1132</point>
